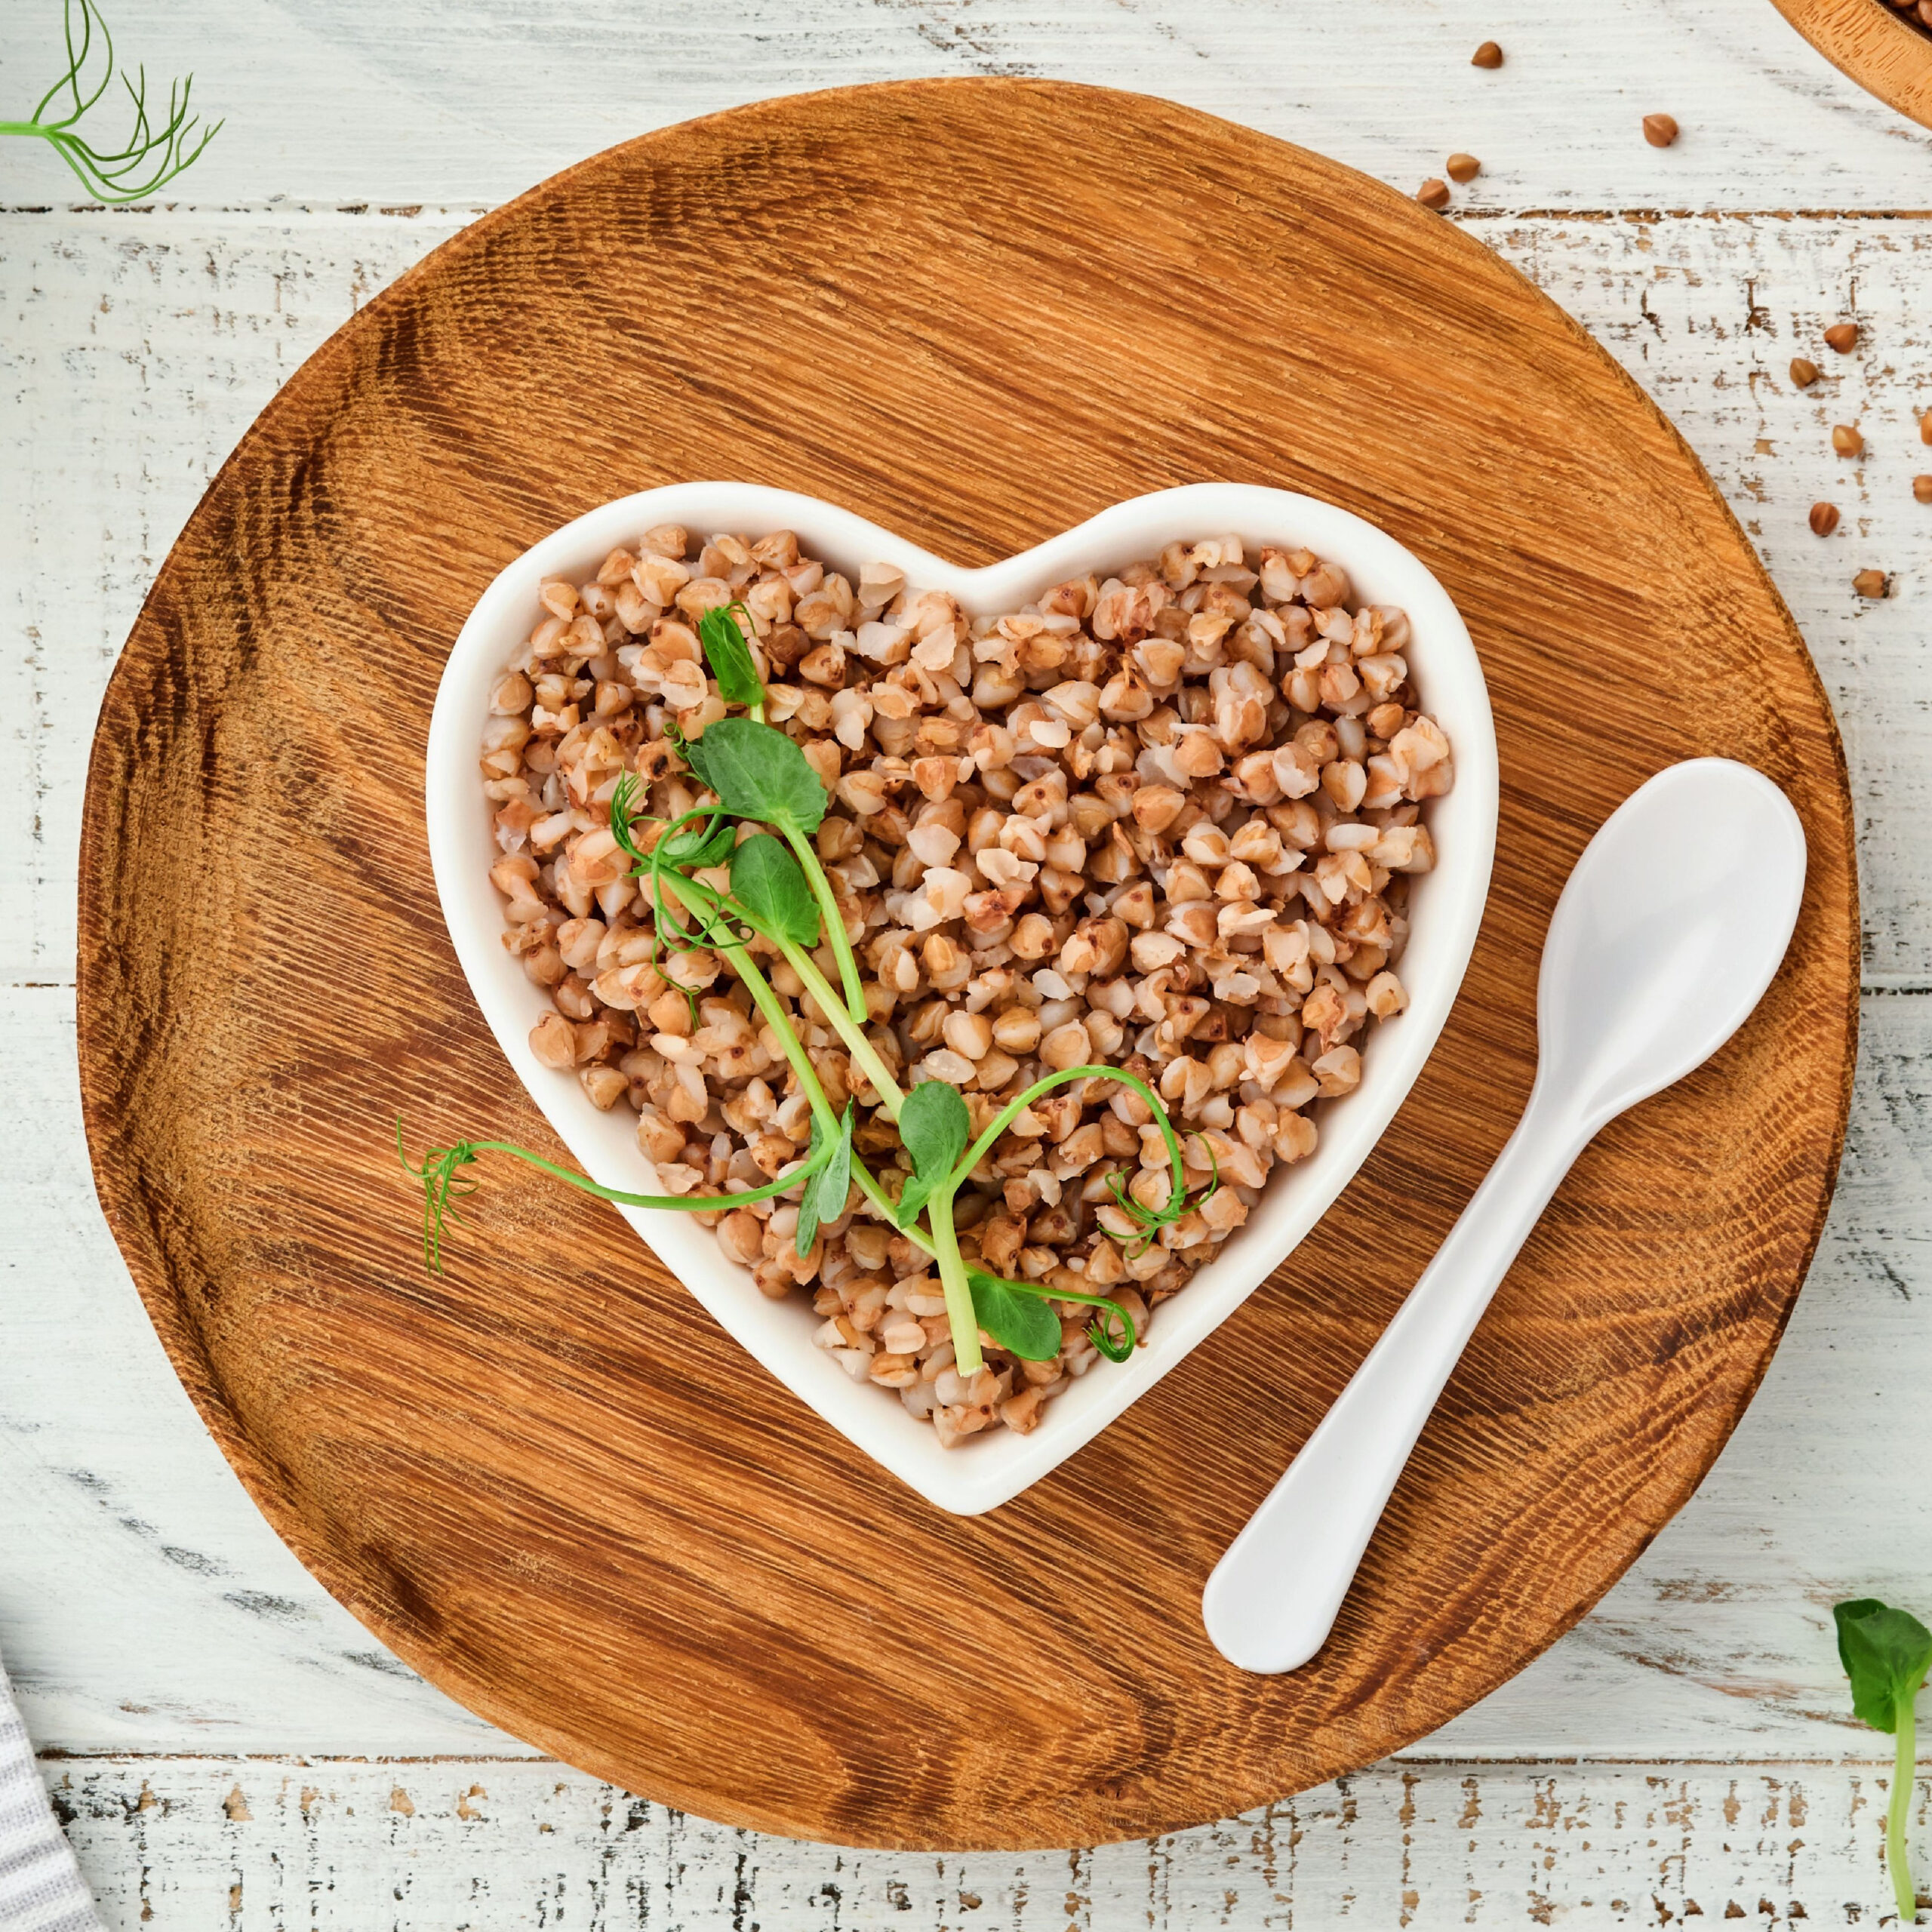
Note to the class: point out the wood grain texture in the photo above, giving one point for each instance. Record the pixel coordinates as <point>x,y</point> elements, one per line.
<point>190,1844</point>
<point>403,103</point>
<point>1876,46</point>
<point>978,311</point>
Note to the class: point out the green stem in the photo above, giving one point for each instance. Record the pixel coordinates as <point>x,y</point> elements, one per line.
<point>63,145</point>
<point>768,1004</point>
<point>848,1028</point>
<point>1007,1114</point>
<point>689,892</point>
<point>102,175</point>
<point>77,60</point>
<point>682,1203</point>
<point>874,1192</point>
<point>834,920</point>
<point>1904,1780</point>
<point>960,1316</point>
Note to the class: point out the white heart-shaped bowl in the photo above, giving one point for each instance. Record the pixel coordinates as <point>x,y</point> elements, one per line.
<point>1446,909</point>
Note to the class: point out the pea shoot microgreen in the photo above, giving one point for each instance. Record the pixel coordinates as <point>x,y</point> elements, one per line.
<point>728,653</point>
<point>775,890</point>
<point>1017,1316</point>
<point>827,1192</point>
<point>760,774</point>
<point>1886,1653</point>
<point>440,1171</point>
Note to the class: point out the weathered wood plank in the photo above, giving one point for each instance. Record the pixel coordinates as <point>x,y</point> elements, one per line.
<point>140,1593</point>
<point>187,1845</point>
<point>1707,315</point>
<point>475,99</point>
<point>133,351</point>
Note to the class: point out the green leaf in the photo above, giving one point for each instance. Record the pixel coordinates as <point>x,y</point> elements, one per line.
<point>758,773</point>
<point>836,1181</point>
<point>1886,1652</point>
<point>935,1127</point>
<point>766,881</point>
<point>700,838</point>
<point>1022,1324</point>
<point>700,846</point>
<point>730,657</point>
<point>807,1229</point>
<point>824,1197</point>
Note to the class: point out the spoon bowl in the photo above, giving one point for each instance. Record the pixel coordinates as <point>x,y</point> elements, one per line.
<point>1666,937</point>
<point>1667,934</point>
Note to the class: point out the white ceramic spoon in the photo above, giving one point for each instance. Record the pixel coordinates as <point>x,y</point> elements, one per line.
<point>1664,938</point>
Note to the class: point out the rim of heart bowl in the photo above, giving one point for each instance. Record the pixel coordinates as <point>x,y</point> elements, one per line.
<point>1446,910</point>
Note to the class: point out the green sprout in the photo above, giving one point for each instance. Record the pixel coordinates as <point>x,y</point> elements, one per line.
<point>157,150</point>
<point>1885,1653</point>
<point>779,894</point>
<point>440,1171</point>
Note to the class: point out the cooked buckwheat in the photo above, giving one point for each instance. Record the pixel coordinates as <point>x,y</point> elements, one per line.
<point>1164,820</point>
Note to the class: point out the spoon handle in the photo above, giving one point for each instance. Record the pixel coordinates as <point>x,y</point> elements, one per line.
<point>1273,1597</point>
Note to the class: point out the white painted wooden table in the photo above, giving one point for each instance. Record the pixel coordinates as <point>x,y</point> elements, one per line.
<point>230,1747</point>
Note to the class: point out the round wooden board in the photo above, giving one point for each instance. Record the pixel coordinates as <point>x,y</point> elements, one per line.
<point>1874,45</point>
<point>977,311</point>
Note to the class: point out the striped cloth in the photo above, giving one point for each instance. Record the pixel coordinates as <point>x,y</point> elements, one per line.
<point>41,1887</point>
